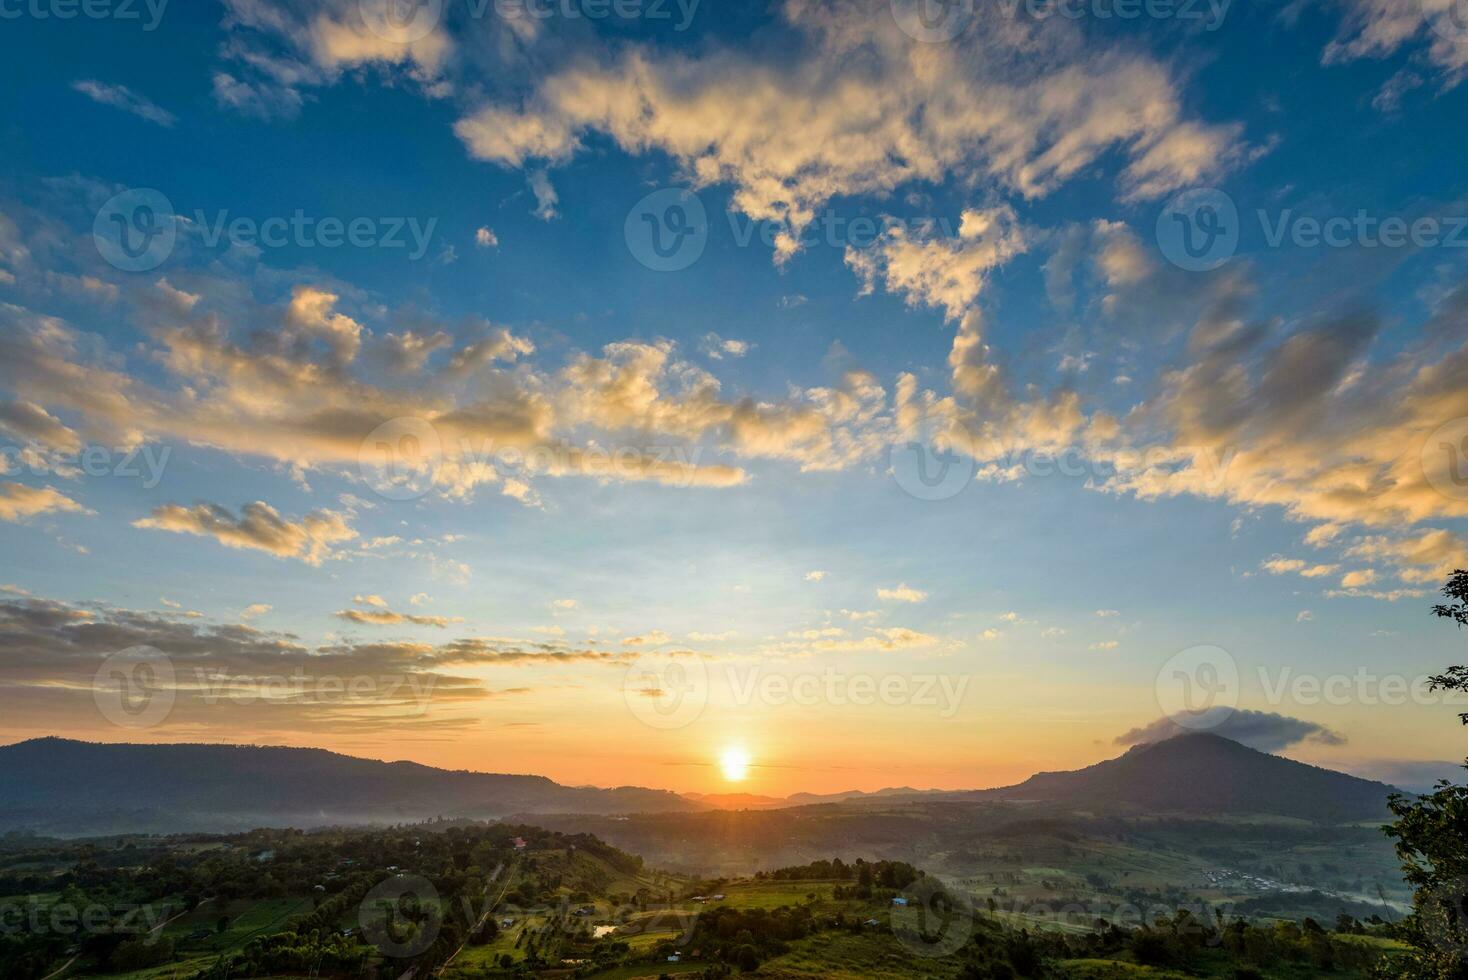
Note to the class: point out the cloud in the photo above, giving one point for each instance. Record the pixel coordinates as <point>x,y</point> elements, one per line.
<point>1304,616</point>
<point>18,502</point>
<point>815,576</point>
<point>1279,565</point>
<point>386,617</point>
<point>285,385</point>
<point>280,52</point>
<point>29,421</point>
<point>564,605</point>
<point>902,593</point>
<point>256,98</point>
<point>258,527</point>
<point>545,195</point>
<point>1356,579</point>
<point>1266,731</point>
<point>650,638</point>
<point>1104,645</point>
<point>1379,28</point>
<point>1107,613</point>
<point>1430,556</point>
<point>847,105</point>
<point>718,348</point>
<point>486,238</point>
<point>235,681</point>
<point>124,98</point>
<point>379,613</point>
<point>830,640</point>
<point>255,610</point>
<point>932,270</point>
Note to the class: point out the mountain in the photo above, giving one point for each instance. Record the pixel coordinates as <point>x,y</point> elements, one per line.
<point>63,786</point>
<point>59,786</point>
<point>737,801</point>
<point>1204,773</point>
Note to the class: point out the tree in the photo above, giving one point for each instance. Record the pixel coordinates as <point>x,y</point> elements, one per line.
<point>1456,589</point>
<point>1431,834</point>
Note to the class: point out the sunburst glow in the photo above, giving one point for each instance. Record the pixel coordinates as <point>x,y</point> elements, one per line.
<point>735,763</point>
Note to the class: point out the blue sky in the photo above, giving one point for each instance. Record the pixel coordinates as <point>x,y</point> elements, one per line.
<point>1255,445</point>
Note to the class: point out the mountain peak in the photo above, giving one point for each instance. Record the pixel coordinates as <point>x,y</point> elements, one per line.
<point>1201,772</point>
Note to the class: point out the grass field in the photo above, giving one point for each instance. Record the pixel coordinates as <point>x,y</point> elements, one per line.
<point>850,955</point>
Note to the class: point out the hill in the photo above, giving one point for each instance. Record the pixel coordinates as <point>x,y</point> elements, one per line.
<point>64,786</point>
<point>1199,772</point>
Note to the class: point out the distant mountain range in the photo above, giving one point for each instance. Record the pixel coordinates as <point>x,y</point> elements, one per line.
<point>64,786</point>
<point>55,785</point>
<point>751,801</point>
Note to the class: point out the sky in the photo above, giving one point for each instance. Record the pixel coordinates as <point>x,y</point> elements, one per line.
<point>734,398</point>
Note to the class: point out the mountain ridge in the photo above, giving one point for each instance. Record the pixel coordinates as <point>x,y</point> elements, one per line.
<point>70,786</point>
<point>220,786</point>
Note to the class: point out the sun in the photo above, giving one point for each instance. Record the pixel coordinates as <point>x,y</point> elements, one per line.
<point>735,763</point>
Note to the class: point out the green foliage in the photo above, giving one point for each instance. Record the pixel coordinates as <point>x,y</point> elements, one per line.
<point>1431,834</point>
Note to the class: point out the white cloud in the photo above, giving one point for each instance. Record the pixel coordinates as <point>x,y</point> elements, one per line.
<point>546,197</point>
<point>124,98</point>
<point>902,593</point>
<point>850,106</point>
<point>718,348</point>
